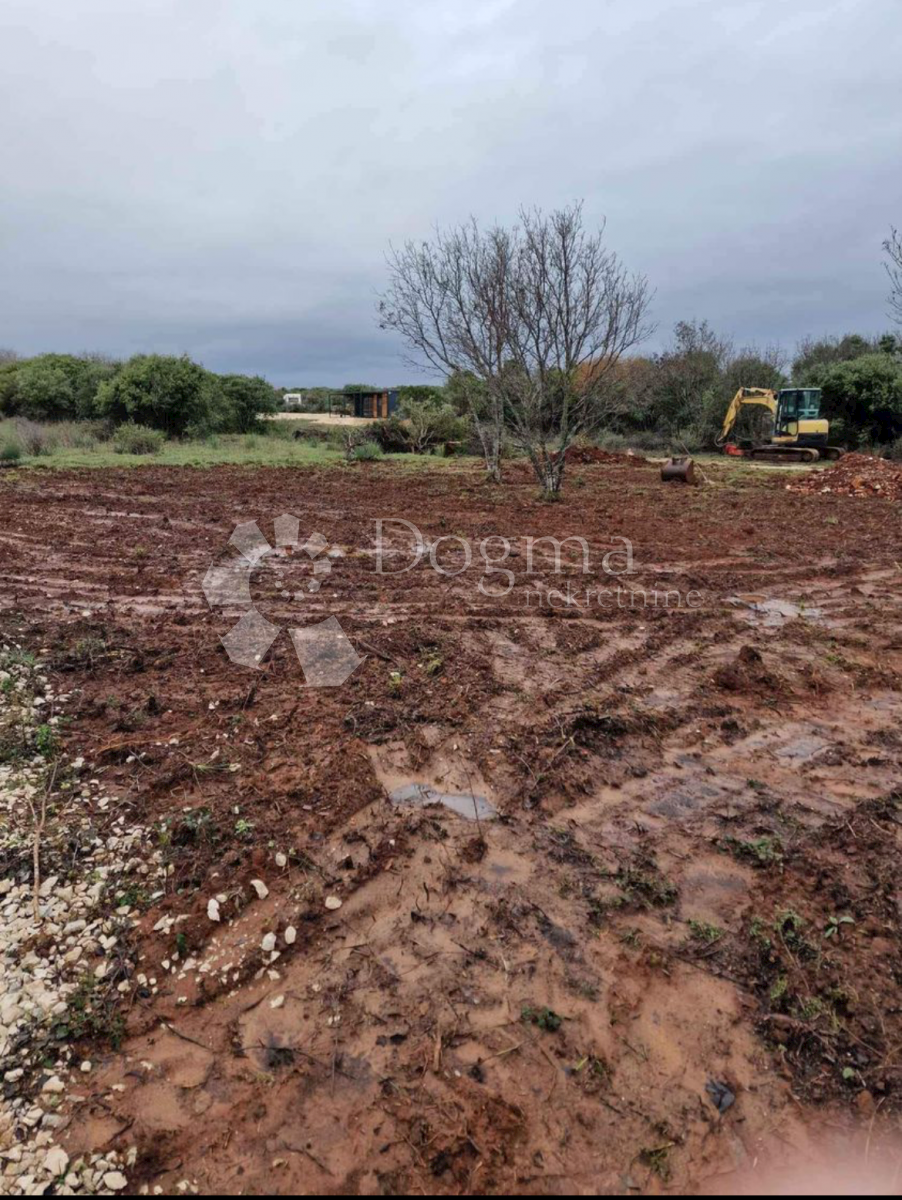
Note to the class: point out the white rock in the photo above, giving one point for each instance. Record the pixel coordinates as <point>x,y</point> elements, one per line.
<point>277,1002</point>
<point>56,1161</point>
<point>269,942</point>
<point>260,888</point>
<point>333,903</point>
<point>54,1086</point>
<point>291,935</point>
<point>213,910</point>
<point>115,1181</point>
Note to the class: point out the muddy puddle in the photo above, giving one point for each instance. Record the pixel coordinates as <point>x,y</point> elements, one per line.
<point>772,612</point>
<point>467,805</point>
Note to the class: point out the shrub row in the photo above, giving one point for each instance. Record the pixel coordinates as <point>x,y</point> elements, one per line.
<point>174,395</point>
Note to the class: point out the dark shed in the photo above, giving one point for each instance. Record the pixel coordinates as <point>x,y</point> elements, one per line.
<point>375,406</point>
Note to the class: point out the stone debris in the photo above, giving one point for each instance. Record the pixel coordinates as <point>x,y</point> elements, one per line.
<point>333,903</point>
<point>260,888</point>
<point>69,936</point>
<point>853,475</point>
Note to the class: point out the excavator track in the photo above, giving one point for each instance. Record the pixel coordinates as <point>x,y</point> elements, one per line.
<point>789,454</point>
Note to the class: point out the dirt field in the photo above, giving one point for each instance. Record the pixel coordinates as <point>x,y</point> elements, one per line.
<point>672,961</point>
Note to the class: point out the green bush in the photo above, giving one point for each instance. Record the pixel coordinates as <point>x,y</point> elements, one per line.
<point>137,439</point>
<point>367,452</point>
<point>9,388</point>
<point>863,399</point>
<point>162,392</point>
<point>432,425</point>
<point>10,451</point>
<point>183,399</point>
<point>243,399</point>
<point>393,436</point>
<point>55,387</point>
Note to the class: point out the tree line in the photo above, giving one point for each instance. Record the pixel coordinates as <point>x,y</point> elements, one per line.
<point>163,392</point>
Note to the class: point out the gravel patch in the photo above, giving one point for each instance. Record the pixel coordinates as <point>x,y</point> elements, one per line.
<point>73,878</point>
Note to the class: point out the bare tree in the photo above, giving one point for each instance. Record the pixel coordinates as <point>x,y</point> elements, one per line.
<point>893,249</point>
<point>539,314</point>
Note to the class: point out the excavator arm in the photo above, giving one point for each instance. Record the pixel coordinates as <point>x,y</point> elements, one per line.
<point>746,396</point>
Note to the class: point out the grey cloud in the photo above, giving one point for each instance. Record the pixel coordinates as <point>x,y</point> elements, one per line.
<point>223,178</point>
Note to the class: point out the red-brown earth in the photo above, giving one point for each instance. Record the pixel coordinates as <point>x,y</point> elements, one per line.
<point>693,798</point>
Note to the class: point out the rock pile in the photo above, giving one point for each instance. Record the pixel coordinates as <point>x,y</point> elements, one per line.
<point>853,475</point>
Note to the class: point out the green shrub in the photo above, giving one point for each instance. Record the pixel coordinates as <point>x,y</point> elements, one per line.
<point>393,436</point>
<point>137,439</point>
<point>161,392</point>
<point>56,387</point>
<point>432,425</point>
<point>367,452</point>
<point>244,399</point>
<point>10,451</point>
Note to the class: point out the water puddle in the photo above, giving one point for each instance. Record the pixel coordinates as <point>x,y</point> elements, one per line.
<point>764,610</point>
<point>466,804</point>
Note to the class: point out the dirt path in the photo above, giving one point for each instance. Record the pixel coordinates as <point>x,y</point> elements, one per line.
<point>689,897</point>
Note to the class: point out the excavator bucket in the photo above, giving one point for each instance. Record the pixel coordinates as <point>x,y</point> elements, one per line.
<point>679,470</point>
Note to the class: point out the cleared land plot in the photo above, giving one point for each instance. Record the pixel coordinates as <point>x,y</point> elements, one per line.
<point>694,882</point>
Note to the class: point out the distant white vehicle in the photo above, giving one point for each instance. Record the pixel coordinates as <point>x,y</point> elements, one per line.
<point>292,398</point>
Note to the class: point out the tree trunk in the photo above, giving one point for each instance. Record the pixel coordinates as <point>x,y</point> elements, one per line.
<point>490,438</point>
<point>549,469</point>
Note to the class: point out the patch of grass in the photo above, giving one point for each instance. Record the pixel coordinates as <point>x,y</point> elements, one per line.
<point>761,852</point>
<point>545,1019</point>
<point>656,1158</point>
<point>702,931</point>
<point>644,886</point>
<point>90,444</point>
<point>94,1014</point>
<point>835,924</point>
<point>45,740</point>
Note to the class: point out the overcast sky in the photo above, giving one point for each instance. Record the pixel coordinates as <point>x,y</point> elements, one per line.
<point>222,177</point>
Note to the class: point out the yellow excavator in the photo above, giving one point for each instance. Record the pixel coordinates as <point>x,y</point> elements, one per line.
<point>799,434</point>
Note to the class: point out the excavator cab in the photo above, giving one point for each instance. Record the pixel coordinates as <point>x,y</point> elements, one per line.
<point>799,434</point>
<point>795,405</point>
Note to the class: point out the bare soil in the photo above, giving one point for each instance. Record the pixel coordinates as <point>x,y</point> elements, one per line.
<point>672,963</point>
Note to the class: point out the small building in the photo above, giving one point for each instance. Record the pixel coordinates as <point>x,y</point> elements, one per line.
<point>375,406</point>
